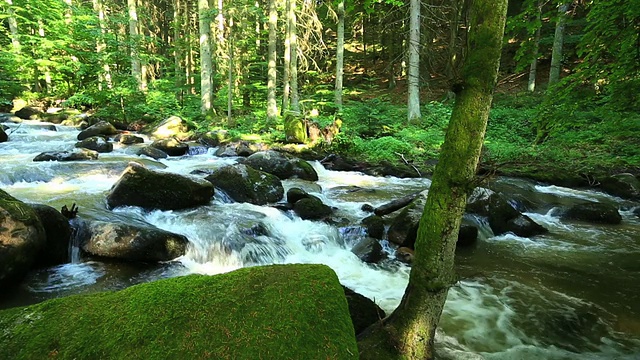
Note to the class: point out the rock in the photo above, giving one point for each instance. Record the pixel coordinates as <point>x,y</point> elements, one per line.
<point>213,138</point>
<point>59,115</point>
<point>385,168</point>
<point>363,311</point>
<point>128,139</point>
<point>149,189</point>
<point>282,165</point>
<point>74,155</point>
<point>102,128</point>
<point>245,184</point>
<point>311,208</point>
<point>171,146</point>
<point>478,201</point>
<point>622,185</point>
<point>503,218</point>
<point>295,129</point>
<point>404,226</point>
<point>467,236</point>
<point>637,212</point>
<point>22,238</point>
<point>28,113</point>
<point>172,127</point>
<point>295,194</point>
<point>9,118</point>
<point>368,250</point>
<point>41,127</point>
<point>226,151</point>
<point>96,143</point>
<point>153,153</point>
<point>145,243</point>
<point>405,255</point>
<point>335,162</point>
<point>3,136</point>
<point>57,233</point>
<point>593,212</point>
<point>374,225</point>
<point>242,148</point>
<point>368,208</point>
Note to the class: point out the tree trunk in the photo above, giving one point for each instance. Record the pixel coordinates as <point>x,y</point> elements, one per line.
<point>272,107</point>
<point>230,121</point>
<point>293,30</point>
<point>177,49</point>
<point>206,64</point>
<point>409,332</point>
<point>136,67</point>
<point>340,56</point>
<point>558,41</point>
<point>13,27</point>
<point>533,69</point>
<point>413,102</point>
<point>286,77</point>
<point>105,76</point>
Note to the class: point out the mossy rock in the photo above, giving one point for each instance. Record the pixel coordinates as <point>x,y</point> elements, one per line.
<point>95,143</point>
<point>128,139</point>
<point>172,127</point>
<point>3,135</point>
<point>58,236</point>
<point>102,128</point>
<point>374,225</point>
<point>295,129</point>
<point>296,194</point>
<point>593,212</point>
<point>171,146</point>
<point>273,312</point>
<point>312,208</point>
<point>282,165</point>
<point>245,184</point>
<point>214,138</point>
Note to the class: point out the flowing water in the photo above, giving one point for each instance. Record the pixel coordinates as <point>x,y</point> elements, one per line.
<point>573,293</point>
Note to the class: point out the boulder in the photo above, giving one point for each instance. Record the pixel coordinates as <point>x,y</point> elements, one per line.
<point>171,146</point>
<point>128,139</point>
<point>22,238</point>
<point>296,194</point>
<point>102,128</point>
<point>374,225</point>
<point>96,143</point>
<point>593,212</point>
<point>405,255</point>
<point>28,113</point>
<point>295,129</point>
<point>311,208</point>
<point>478,201</point>
<point>152,153</point>
<point>368,250</point>
<point>144,243</point>
<point>467,236</point>
<point>172,127</point>
<point>637,212</point>
<point>150,189</point>
<point>242,148</point>
<point>404,226</point>
<point>245,184</point>
<point>58,115</point>
<point>3,136</point>
<point>503,218</point>
<point>282,165</point>
<point>57,233</point>
<point>363,311</point>
<point>622,185</point>
<point>213,138</point>
<point>78,154</point>
<point>9,118</point>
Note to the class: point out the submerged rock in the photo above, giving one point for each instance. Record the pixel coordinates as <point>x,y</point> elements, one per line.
<point>78,154</point>
<point>152,153</point>
<point>246,184</point>
<point>102,128</point>
<point>150,189</point>
<point>3,135</point>
<point>96,143</point>
<point>57,236</point>
<point>364,312</point>
<point>593,212</point>
<point>282,165</point>
<point>128,139</point>
<point>622,185</point>
<point>171,146</point>
<point>312,208</point>
<point>368,250</point>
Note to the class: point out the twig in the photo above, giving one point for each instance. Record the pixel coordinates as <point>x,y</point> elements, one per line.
<point>408,164</point>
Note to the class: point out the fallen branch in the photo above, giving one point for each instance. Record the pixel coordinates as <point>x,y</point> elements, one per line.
<point>409,164</point>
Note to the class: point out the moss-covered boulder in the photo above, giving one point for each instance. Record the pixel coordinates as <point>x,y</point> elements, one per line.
<point>404,226</point>
<point>363,311</point>
<point>374,225</point>
<point>295,194</point>
<point>150,189</point>
<point>624,185</point>
<point>274,312</point>
<point>102,128</point>
<point>295,129</point>
<point>153,153</point>
<point>312,208</point>
<point>22,238</point>
<point>171,146</point>
<point>57,234</point>
<point>58,115</point>
<point>128,139</point>
<point>245,184</point>
<point>172,127</point>
<point>135,243</point>
<point>78,154</point>
<point>368,250</point>
<point>282,165</point>
<point>96,143</point>
<point>593,212</point>
<point>29,113</point>
<point>503,218</point>
<point>214,138</point>
<point>3,136</point>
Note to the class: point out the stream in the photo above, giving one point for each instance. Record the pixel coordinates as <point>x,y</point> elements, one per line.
<point>573,293</point>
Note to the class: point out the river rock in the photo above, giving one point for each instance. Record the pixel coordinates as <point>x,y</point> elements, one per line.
<point>364,312</point>
<point>478,201</point>
<point>102,128</point>
<point>594,213</point>
<point>282,165</point>
<point>374,225</point>
<point>503,218</point>
<point>172,127</point>
<point>171,146</point>
<point>145,243</point>
<point>637,212</point>
<point>405,255</point>
<point>467,236</point>
<point>128,139</point>
<point>3,136</point>
<point>311,208</point>
<point>28,113</point>
<point>622,185</point>
<point>57,233</point>
<point>213,138</point>
<point>22,238</point>
<point>296,194</point>
<point>150,189</point>
<point>9,118</point>
<point>368,250</point>
<point>97,143</point>
<point>78,154</point>
<point>242,148</point>
<point>153,153</point>
<point>58,115</point>
<point>404,226</point>
<point>246,184</point>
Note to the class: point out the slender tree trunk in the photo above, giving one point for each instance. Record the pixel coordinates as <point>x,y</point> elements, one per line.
<point>206,64</point>
<point>558,42</point>
<point>13,28</point>
<point>293,30</point>
<point>230,121</point>
<point>47,72</point>
<point>272,107</point>
<point>533,69</point>
<point>68,12</point>
<point>413,103</point>
<point>144,63</point>
<point>136,67</point>
<point>452,56</point>
<point>286,77</point>
<point>178,49</point>
<point>105,76</point>
<point>409,332</point>
<point>340,56</point>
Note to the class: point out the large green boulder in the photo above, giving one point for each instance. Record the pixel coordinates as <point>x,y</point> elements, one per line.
<point>22,237</point>
<point>58,235</point>
<point>295,129</point>
<point>102,128</point>
<point>245,184</point>
<point>282,165</point>
<point>273,312</point>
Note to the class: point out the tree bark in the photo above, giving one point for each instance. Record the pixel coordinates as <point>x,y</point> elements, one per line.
<point>409,332</point>
<point>206,64</point>
<point>533,69</point>
<point>105,76</point>
<point>136,67</point>
<point>178,48</point>
<point>413,102</point>
<point>13,27</point>
<point>558,42</point>
<point>286,77</point>
<point>293,31</point>
<point>340,56</point>
<point>272,107</point>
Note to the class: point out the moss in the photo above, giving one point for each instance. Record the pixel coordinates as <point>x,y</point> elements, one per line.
<point>18,210</point>
<point>295,129</point>
<point>273,312</point>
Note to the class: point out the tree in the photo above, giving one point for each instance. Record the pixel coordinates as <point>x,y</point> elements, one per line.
<point>409,332</point>
<point>533,68</point>
<point>413,101</point>
<point>293,71</point>
<point>340,55</point>
<point>136,66</point>
<point>558,41</point>
<point>206,63</point>
<point>272,107</point>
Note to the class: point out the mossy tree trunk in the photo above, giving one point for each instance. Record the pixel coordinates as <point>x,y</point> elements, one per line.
<point>136,66</point>
<point>272,107</point>
<point>340,55</point>
<point>409,332</point>
<point>413,80</point>
<point>558,42</point>
<point>206,62</point>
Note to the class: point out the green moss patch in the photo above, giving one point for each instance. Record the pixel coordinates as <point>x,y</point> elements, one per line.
<point>271,312</point>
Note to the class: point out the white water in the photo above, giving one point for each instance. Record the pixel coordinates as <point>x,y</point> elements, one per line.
<point>570,294</point>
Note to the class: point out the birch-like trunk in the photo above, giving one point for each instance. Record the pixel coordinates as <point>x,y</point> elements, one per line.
<point>558,42</point>
<point>413,90</point>
<point>105,76</point>
<point>340,56</point>
<point>136,67</point>
<point>178,23</point>
<point>206,63</point>
<point>293,31</point>
<point>13,27</point>
<point>272,106</point>
<point>286,76</point>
